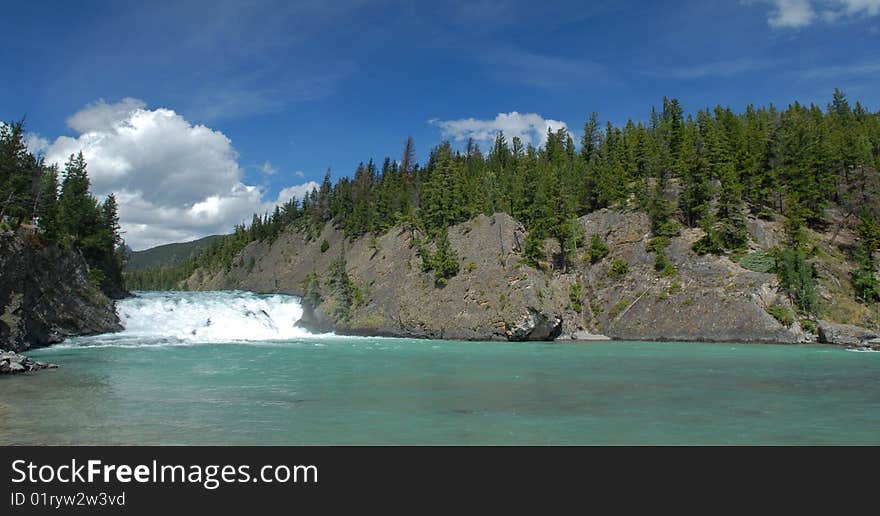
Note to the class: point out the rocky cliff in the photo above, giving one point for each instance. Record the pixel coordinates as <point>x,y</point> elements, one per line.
<point>497,297</point>
<point>46,295</point>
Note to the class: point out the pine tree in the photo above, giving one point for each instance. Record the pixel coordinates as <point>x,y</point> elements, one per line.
<point>442,190</point>
<point>47,207</point>
<point>864,277</point>
<point>20,173</point>
<point>591,139</point>
<point>408,160</point>
<point>77,209</point>
<point>533,250</point>
<point>444,262</point>
<point>341,287</point>
<point>110,220</point>
<point>693,172</point>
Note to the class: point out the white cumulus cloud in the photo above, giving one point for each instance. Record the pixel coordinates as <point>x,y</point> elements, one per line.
<point>791,13</point>
<point>802,13</point>
<point>857,7</point>
<point>173,180</point>
<point>296,192</point>
<point>529,127</point>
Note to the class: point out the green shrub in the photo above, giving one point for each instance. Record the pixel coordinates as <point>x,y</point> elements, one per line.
<point>575,293</point>
<point>864,280</point>
<point>620,306</point>
<point>781,314</point>
<point>325,245</point>
<point>619,269</point>
<point>709,244</point>
<point>96,277</point>
<point>759,261</point>
<point>598,249</point>
<point>533,250</point>
<point>796,279</point>
<point>658,245</point>
<point>809,325</point>
<point>311,286</point>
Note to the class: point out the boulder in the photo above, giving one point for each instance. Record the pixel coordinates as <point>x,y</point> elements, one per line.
<point>11,363</point>
<point>535,326</point>
<point>844,334</point>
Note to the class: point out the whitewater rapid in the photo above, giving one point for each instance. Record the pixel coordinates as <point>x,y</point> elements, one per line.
<point>180,318</point>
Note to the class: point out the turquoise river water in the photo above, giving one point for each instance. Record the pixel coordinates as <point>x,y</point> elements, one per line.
<point>232,368</point>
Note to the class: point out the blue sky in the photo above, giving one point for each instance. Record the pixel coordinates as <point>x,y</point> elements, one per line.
<point>285,90</point>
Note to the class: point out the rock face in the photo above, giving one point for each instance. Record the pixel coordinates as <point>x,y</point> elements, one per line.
<point>535,326</point>
<point>314,319</point>
<point>45,295</point>
<point>496,297</point>
<point>845,335</point>
<point>12,363</point>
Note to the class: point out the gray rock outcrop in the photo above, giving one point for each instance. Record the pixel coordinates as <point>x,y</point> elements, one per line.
<point>13,363</point>
<point>497,297</point>
<point>845,334</point>
<point>46,295</point>
<point>535,326</point>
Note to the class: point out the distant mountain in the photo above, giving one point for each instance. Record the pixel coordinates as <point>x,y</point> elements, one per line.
<point>168,254</point>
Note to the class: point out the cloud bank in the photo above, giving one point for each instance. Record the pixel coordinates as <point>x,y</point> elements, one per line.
<point>529,127</point>
<point>174,181</point>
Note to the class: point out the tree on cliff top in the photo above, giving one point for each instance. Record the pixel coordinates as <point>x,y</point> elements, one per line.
<point>701,170</point>
<point>20,174</point>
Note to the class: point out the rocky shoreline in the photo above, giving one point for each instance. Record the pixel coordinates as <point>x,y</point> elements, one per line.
<point>851,336</point>
<point>536,326</point>
<point>496,297</point>
<point>13,363</point>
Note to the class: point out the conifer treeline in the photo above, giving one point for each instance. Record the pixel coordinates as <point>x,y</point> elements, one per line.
<point>69,215</point>
<point>707,170</point>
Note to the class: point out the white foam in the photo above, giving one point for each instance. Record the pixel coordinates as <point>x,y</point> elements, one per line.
<point>185,318</point>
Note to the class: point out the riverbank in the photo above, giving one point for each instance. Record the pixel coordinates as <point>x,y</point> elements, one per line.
<point>496,296</point>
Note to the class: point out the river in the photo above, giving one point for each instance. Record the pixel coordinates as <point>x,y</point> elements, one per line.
<point>233,368</point>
